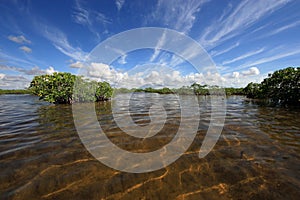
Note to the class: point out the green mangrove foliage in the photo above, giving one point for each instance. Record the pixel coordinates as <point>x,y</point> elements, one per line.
<point>200,89</point>
<point>91,91</point>
<point>253,91</point>
<point>184,90</point>
<point>234,91</point>
<point>67,88</point>
<point>126,90</point>
<point>55,88</point>
<point>281,87</point>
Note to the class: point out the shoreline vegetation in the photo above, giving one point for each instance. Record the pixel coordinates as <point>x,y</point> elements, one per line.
<point>280,88</point>
<point>195,89</point>
<point>14,91</point>
<point>66,88</point>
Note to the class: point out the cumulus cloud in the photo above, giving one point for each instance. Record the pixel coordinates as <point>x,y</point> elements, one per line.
<point>163,76</point>
<point>235,74</point>
<point>14,82</point>
<point>103,72</point>
<point>33,71</point>
<point>153,75</point>
<point>251,71</point>
<point>76,64</point>
<point>50,70</point>
<point>24,78</point>
<point>2,76</point>
<point>19,39</point>
<point>25,49</point>
<point>242,78</point>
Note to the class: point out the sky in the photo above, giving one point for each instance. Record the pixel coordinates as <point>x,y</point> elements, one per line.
<point>246,40</point>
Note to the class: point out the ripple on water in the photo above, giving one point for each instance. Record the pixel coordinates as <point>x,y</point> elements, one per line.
<point>41,156</point>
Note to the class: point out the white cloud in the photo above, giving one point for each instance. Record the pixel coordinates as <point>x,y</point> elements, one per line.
<point>103,72</point>
<point>162,76</point>
<point>119,4</point>
<point>243,16</point>
<point>33,71</point>
<point>252,71</point>
<point>25,49</point>
<point>77,64</point>
<point>14,82</point>
<point>242,78</point>
<point>235,74</point>
<point>244,56</point>
<point>24,78</point>
<point>2,76</point>
<point>50,70</point>
<point>244,81</point>
<point>19,39</point>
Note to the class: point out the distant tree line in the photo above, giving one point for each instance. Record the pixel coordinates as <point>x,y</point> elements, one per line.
<point>281,87</point>
<point>194,89</point>
<point>25,91</point>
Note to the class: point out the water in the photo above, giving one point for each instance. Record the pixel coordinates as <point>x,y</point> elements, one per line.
<point>42,157</point>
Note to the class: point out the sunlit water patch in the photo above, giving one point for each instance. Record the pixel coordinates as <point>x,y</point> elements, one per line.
<point>42,157</point>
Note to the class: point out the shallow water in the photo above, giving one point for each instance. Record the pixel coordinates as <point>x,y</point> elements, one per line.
<point>42,157</point>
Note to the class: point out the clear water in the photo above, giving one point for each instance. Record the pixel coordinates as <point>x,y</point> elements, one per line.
<point>42,157</point>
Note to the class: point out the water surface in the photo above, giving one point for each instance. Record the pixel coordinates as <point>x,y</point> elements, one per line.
<point>42,157</point>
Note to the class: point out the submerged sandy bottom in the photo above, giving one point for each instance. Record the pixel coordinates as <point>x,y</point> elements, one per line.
<point>42,157</point>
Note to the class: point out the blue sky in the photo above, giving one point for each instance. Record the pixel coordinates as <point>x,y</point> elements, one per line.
<point>246,39</point>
